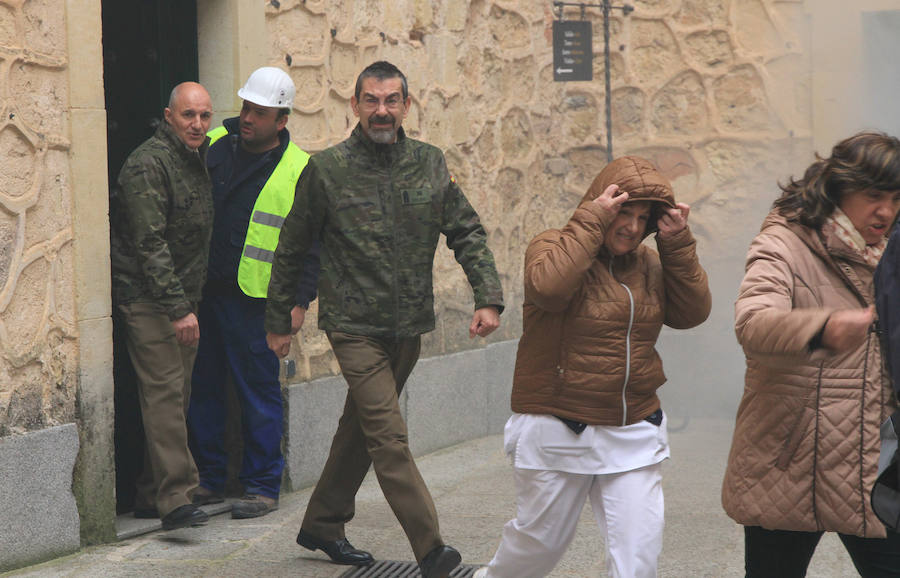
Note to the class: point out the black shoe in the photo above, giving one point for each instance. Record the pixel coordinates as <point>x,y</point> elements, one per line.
<point>184,516</point>
<point>146,513</point>
<point>340,551</point>
<point>439,562</point>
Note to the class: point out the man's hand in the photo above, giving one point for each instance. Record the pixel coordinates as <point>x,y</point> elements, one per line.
<point>298,314</point>
<point>673,221</point>
<point>279,343</point>
<point>484,321</point>
<point>847,328</point>
<point>611,199</point>
<point>187,329</point>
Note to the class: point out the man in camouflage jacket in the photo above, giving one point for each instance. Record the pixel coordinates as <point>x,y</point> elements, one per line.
<point>378,203</point>
<point>160,222</point>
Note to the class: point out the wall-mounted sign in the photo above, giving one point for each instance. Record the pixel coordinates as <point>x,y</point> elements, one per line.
<point>572,53</point>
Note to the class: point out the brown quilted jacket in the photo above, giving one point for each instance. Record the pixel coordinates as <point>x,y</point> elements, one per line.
<point>577,357</point>
<point>806,442</point>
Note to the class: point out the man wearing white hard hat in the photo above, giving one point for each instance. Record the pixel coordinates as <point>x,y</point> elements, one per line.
<point>254,168</point>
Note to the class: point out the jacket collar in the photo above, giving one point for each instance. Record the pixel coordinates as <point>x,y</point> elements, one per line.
<point>619,262</point>
<point>826,246</point>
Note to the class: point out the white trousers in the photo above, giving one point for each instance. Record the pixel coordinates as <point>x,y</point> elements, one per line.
<point>627,506</point>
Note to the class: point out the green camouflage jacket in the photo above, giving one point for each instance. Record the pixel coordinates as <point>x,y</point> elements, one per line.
<point>378,211</point>
<point>160,224</point>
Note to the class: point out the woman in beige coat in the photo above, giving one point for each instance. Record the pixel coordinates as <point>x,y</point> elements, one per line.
<point>805,448</point>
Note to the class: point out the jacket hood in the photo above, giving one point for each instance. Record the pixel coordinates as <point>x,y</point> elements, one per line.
<point>640,179</point>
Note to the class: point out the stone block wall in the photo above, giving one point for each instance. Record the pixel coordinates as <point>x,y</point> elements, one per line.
<point>718,93</point>
<point>38,330</point>
<point>715,92</point>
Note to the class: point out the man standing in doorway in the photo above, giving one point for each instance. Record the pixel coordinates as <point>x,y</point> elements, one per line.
<point>160,222</point>
<point>378,203</point>
<point>254,168</point>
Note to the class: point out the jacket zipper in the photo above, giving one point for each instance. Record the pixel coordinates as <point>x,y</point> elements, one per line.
<point>396,205</point>
<point>560,355</point>
<point>627,343</point>
<point>862,430</point>
<point>815,464</point>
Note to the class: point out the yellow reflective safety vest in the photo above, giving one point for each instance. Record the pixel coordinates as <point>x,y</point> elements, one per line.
<point>269,212</point>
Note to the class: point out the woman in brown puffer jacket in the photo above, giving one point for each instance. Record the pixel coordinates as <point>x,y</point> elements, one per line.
<point>587,421</point>
<point>805,448</point>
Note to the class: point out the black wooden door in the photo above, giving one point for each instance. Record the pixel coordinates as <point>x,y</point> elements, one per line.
<point>149,46</point>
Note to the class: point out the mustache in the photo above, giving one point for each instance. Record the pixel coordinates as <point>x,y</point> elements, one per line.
<point>381,119</point>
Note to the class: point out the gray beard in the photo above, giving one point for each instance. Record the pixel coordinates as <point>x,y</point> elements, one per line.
<point>382,136</point>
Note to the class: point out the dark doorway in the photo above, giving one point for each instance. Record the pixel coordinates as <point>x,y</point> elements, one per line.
<point>149,46</point>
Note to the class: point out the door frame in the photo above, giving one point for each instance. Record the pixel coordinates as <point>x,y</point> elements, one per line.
<point>232,42</point>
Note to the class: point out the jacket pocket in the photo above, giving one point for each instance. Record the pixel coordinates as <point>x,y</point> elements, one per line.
<point>419,196</point>
<point>416,212</point>
<point>801,425</point>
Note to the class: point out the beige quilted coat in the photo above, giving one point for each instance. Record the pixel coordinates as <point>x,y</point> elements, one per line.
<point>578,358</point>
<point>805,448</point>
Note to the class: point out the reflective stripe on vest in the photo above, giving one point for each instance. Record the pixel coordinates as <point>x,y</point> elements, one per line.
<point>269,212</point>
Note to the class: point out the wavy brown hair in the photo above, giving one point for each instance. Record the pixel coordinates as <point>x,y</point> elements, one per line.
<point>864,161</point>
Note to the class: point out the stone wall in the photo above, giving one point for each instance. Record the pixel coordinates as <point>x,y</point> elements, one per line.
<point>38,335</point>
<point>715,92</point>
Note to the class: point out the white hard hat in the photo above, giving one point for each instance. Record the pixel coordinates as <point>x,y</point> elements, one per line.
<point>269,86</point>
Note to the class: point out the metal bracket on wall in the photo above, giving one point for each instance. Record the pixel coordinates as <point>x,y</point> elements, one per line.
<point>607,7</point>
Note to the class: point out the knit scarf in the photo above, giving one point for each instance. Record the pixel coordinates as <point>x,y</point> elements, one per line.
<point>839,225</point>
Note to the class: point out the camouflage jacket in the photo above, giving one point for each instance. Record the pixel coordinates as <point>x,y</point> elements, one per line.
<point>161,217</point>
<point>378,211</point>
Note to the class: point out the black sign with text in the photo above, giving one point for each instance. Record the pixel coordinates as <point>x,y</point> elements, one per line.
<point>572,53</point>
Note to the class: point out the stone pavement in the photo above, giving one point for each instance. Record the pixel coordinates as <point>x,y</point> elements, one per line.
<point>473,490</point>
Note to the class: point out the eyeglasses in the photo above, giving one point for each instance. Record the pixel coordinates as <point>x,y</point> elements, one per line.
<point>392,102</point>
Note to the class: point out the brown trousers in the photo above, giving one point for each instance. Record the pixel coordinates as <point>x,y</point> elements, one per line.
<point>372,431</point>
<point>163,368</point>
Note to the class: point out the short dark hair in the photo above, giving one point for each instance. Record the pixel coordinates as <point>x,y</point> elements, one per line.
<point>282,112</point>
<point>864,161</point>
<point>381,70</point>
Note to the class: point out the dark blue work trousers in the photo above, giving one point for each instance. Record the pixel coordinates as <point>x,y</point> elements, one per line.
<point>233,340</point>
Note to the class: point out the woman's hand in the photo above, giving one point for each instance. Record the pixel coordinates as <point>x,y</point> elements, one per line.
<point>610,200</point>
<point>847,328</point>
<point>673,221</point>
